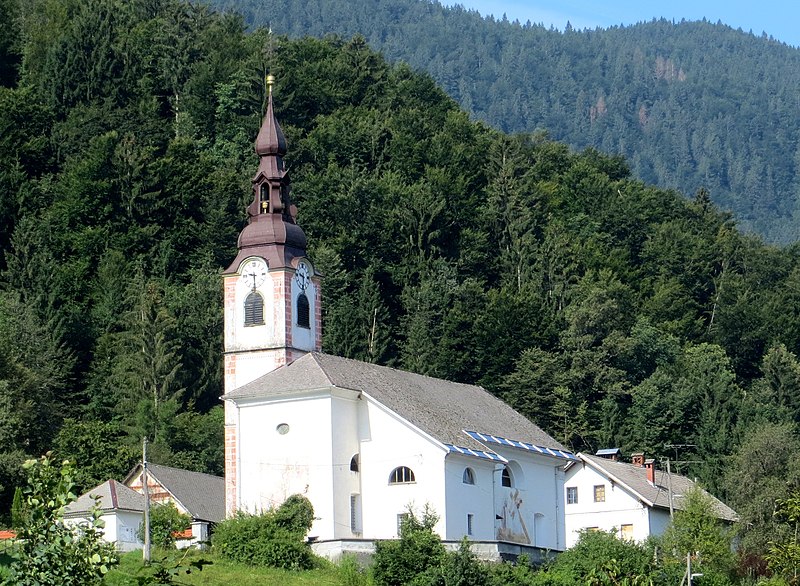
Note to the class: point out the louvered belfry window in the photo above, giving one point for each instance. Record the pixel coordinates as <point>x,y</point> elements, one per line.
<point>303,311</point>
<point>254,309</point>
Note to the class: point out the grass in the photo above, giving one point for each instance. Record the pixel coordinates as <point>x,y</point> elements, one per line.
<point>224,573</point>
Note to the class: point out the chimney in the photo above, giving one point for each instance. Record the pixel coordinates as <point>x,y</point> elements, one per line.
<point>637,459</point>
<point>650,466</point>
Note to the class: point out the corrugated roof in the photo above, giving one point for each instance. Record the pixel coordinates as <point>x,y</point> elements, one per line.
<point>202,495</point>
<point>635,479</point>
<point>114,496</point>
<point>440,408</point>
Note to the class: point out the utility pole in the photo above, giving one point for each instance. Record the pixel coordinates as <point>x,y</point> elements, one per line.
<point>669,490</point>
<point>146,548</point>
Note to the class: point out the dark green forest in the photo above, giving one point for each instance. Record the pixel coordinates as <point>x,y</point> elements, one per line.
<point>611,312</point>
<point>688,104</point>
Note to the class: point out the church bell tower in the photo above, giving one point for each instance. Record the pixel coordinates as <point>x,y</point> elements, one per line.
<point>272,292</point>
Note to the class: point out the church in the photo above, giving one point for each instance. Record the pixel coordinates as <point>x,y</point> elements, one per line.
<point>364,443</point>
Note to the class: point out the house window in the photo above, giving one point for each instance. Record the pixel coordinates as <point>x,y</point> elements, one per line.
<point>254,309</point>
<point>303,311</point>
<point>507,480</point>
<point>626,532</point>
<point>354,461</point>
<point>470,516</point>
<point>572,495</point>
<point>355,505</point>
<point>401,475</point>
<point>469,476</point>
<point>600,493</point>
<point>401,519</point>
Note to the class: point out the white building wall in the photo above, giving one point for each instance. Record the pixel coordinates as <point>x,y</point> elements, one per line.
<point>619,508</point>
<point>464,499</point>
<point>272,466</point>
<point>532,510</point>
<point>386,443</point>
<point>345,445</point>
<point>121,528</point>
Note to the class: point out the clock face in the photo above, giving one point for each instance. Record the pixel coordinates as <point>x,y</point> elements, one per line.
<point>254,272</point>
<point>302,276</point>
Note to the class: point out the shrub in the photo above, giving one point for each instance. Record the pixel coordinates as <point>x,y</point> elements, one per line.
<point>413,557</point>
<point>275,538</point>
<point>50,552</point>
<point>165,521</point>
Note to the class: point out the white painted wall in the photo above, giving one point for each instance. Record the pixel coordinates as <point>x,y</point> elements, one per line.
<point>532,510</point>
<point>344,425</point>
<point>386,443</point>
<point>273,466</point>
<point>121,528</point>
<point>620,507</point>
<point>464,499</point>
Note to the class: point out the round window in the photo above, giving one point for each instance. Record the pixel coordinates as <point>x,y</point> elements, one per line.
<point>283,428</point>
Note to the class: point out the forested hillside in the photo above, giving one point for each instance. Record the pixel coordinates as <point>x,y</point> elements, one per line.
<point>611,312</point>
<point>689,104</point>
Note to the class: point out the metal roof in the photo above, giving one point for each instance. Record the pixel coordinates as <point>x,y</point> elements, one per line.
<point>493,439</point>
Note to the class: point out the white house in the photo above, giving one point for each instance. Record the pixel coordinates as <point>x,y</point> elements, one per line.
<point>632,499</point>
<point>122,510</point>
<point>362,442</point>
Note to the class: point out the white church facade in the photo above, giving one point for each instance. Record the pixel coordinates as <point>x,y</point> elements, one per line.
<point>362,442</point>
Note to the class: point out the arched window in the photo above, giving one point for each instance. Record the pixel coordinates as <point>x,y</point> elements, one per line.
<point>469,476</point>
<point>354,461</point>
<point>507,480</point>
<point>303,310</point>
<point>254,309</point>
<point>401,475</point>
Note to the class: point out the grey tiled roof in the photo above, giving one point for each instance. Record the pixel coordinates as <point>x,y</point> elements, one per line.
<point>114,496</point>
<point>440,408</point>
<point>635,479</point>
<point>202,495</point>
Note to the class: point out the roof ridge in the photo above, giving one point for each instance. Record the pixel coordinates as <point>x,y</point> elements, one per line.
<point>400,370</point>
<point>151,464</point>
<point>113,488</point>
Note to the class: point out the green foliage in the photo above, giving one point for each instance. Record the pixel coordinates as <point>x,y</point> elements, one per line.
<point>350,572</point>
<point>165,521</point>
<point>600,558</point>
<point>462,568</point>
<point>416,556</point>
<point>50,551</point>
<point>274,538</point>
<point>696,530</point>
<point>17,510</point>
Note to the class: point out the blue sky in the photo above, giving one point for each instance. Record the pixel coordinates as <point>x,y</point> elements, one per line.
<point>778,18</point>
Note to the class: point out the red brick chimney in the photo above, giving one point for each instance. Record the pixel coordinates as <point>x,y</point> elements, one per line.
<point>650,465</point>
<point>637,459</point>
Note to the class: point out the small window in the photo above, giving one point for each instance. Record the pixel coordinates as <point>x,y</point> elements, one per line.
<point>572,495</point>
<point>401,519</point>
<point>303,311</point>
<point>355,505</point>
<point>600,493</point>
<point>401,475</point>
<point>626,532</point>
<point>354,461</point>
<point>470,517</point>
<point>254,309</point>
<point>507,480</point>
<point>469,476</point>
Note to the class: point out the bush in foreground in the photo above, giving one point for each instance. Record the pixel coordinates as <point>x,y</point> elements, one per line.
<point>274,538</point>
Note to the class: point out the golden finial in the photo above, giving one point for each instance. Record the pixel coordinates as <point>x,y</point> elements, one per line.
<point>270,82</point>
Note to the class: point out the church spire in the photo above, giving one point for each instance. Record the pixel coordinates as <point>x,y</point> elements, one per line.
<point>272,231</point>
